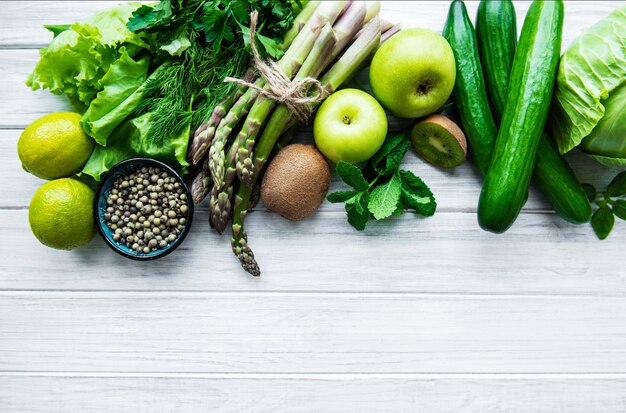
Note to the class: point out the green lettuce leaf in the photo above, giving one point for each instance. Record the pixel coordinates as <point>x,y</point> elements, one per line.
<point>590,72</point>
<point>118,98</point>
<point>173,148</point>
<point>72,64</point>
<point>111,24</point>
<point>78,58</point>
<point>104,158</point>
<point>129,140</point>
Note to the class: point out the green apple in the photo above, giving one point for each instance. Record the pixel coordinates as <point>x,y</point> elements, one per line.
<point>350,126</point>
<point>413,73</point>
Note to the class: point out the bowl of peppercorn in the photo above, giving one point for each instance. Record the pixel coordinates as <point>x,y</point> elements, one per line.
<point>143,209</point>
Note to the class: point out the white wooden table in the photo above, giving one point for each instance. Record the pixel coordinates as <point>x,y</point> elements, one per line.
<point>412,315</point>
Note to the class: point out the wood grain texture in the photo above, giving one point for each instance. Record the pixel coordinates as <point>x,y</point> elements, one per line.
<point>310,333</point>
<point>314,394</point>
<point>447,253</point>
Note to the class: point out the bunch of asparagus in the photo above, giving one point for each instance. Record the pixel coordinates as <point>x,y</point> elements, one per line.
<point>329,41</point>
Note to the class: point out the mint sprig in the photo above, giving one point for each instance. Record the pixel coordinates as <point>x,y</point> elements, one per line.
<point>388,191</point>
<point>603,219</point>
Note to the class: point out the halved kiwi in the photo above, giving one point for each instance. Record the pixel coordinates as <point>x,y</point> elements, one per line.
<point>439,141</point>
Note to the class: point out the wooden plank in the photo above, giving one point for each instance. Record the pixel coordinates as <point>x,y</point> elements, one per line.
<point>310,333</point>
<point>444,254</point>
<point>19,105</point>
<point>329,393</point>
<point>23,20</point>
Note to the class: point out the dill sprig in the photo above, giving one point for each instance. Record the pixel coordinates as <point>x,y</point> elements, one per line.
<point>184,92</point>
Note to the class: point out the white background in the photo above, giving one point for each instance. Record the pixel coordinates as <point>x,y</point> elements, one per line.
<point>412,315</point>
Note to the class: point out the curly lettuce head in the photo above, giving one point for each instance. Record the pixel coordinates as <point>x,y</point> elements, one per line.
<point>588,109</point>
<point>80,54</point>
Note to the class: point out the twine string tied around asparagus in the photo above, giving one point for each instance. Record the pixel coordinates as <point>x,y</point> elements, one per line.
<point>293,94</point>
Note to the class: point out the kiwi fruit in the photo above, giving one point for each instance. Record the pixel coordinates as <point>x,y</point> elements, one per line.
<point>296,182</point>
<point>439,141</point>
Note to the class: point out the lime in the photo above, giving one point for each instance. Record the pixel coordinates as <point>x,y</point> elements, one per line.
<point>55,146</point>
<point>61,214</point>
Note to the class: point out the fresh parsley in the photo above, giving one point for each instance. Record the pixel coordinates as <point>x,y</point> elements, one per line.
<point>609,205</point>
<point>217,22</point>
<point>389,189</point>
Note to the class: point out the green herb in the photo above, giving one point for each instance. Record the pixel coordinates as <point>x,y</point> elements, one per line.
<point>609,207</point>
<point>390,189</point>
<point>218,23</point>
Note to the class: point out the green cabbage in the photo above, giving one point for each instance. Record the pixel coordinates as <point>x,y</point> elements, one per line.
<point>589,98</point>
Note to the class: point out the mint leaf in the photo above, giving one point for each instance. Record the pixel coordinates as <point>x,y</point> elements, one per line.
<point>617,187</point>
<point>356,208</point>
<point>602,222</point>
<point>422,205</point>
<point>414,184</point>
<point>398,210</point>
<point>416,195</point>
<point>352,176</point>
<point>619,209</point>
<point>387,160</point>
<point>340,196</point>
<point>384,198</point>
<point>590,191</point>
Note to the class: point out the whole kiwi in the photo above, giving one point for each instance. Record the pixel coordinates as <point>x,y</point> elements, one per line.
<point>296,182</point>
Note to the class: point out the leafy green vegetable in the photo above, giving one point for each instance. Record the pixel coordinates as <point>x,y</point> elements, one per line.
<point>388,158</point>
<point>588,104</point>
<point>130,139</point>
<point>603,220</point>
<point>356,207</point>
<point>617,187</point>
<point>389,192</point>
<point>416,195</point>
<point>80,55</point>
<point>219,22</point>
<point>112,104</point>
<point>607,141</point>
<point>384,198</point>
<point>57,29</point>
<point>352,176</point>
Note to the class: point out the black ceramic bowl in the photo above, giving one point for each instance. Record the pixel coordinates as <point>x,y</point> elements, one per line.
<point>100,205</point>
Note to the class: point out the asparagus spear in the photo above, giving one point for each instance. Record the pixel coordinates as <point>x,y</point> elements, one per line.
<point>346,27</point>
<point>204,134</point>
<point>220,205</point>
<point>289,64</point>
<point>345,67</point>
<point>201,184</point>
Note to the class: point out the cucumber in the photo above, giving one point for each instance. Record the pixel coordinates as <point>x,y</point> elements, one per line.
<point>470,94</point>
<point>559,184</point>
<point>533,73</point>
<point>497,34</point>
